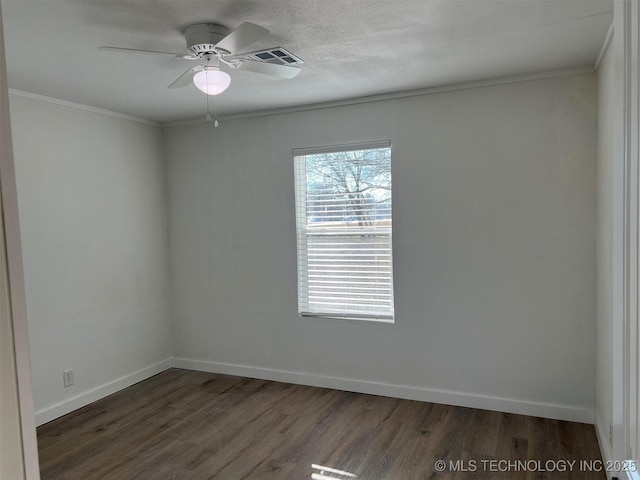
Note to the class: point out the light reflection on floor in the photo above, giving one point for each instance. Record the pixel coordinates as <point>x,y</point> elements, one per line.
<point>327,473</point>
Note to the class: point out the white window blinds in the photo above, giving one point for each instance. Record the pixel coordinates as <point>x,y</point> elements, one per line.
<point>343,213</point>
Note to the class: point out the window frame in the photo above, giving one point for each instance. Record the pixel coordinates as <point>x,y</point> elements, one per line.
<point>301,187</point>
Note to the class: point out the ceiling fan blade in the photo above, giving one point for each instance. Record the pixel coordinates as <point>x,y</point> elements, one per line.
<point>242,37</point>
<point>186,78</point>
<point>147,52</point>
<point>282,71</point>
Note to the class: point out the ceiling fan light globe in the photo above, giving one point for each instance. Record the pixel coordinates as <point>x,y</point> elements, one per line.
<point>212,81</point>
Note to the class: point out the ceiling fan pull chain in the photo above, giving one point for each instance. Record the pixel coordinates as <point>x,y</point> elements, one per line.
<point>215,116</point>
<point>215,113</point>
<point>208,117</point>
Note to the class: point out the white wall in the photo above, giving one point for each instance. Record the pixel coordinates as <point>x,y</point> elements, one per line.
<point>11,457</point>
<point>617,250</point>
<point>494,249</point>
<point>91,191</point>
<point>609,252</point>
<point>12,465</point>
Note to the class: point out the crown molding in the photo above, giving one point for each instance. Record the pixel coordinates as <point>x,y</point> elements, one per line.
<point>318,106</point>
<point>79,106</point>
<point>605,46</point>
<point>396,95</point>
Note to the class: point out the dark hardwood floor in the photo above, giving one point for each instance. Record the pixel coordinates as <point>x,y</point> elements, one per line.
<point>185,425</point>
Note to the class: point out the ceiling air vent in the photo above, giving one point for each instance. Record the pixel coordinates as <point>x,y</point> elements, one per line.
<point>277,55</point>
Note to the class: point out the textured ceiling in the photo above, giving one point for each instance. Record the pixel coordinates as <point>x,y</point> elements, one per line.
<point>351,48</point>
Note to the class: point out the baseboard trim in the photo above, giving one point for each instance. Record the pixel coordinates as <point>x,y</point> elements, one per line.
<point>85,398</point>
<point>607,456</point>
<point>603,441</point>
<point>547,410</point>
<point>626,475</point>
<point>521,407</point>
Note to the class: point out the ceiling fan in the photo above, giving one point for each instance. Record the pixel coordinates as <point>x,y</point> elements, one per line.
<point>214,45</point>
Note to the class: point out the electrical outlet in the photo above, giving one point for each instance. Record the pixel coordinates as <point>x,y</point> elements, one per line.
<point>611,433</point>
<point>67,378</point>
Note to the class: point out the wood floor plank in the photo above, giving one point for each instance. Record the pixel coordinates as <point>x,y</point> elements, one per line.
<point>186,425</point>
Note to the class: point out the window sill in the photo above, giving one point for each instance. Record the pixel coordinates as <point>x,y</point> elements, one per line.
<point>386,320</point>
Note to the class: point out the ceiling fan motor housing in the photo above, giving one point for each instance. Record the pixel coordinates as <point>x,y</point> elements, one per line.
<point>203,37</point>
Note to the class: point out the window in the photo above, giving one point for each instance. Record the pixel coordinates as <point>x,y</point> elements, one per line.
<point>343,213</point>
